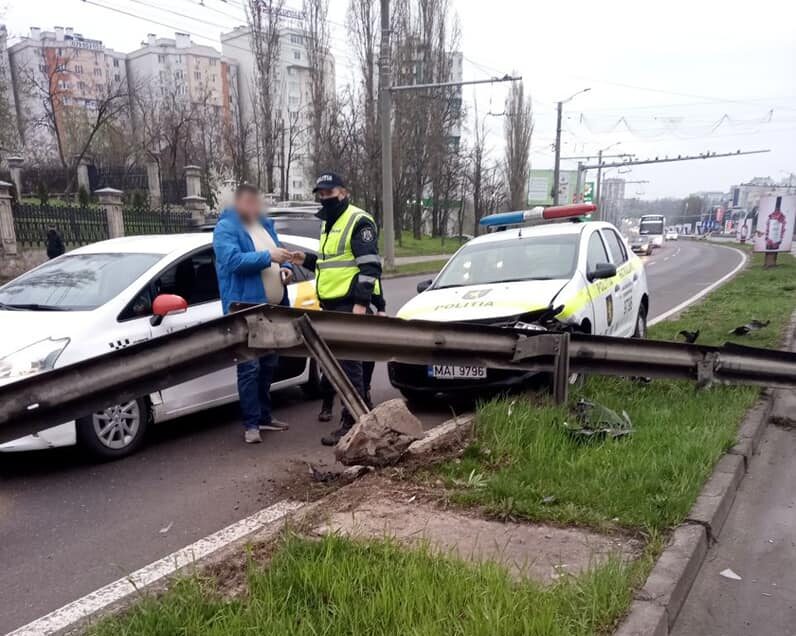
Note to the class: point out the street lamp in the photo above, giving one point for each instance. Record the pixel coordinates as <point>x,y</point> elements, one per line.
<point>557,168</point>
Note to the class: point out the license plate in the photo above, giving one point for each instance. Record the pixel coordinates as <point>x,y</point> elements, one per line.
<point>455,371</point>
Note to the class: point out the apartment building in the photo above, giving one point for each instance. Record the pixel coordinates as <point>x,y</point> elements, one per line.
<point>293,81</point>
<point>79,71</point>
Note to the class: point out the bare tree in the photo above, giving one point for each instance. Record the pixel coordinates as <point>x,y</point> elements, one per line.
<point>72,126</point>
<point>265,18</point>
<point>291,134</point>
<point>316,42</point>
<point>484,175</point>
<point>238,135</point>
<point>518,128</point>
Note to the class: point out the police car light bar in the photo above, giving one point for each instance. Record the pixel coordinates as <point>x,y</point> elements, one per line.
<point>538,213</point>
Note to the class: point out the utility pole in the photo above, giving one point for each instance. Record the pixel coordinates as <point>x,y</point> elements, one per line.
<point>557,166</point>
<point>385,112</point>
<point>599,182</point>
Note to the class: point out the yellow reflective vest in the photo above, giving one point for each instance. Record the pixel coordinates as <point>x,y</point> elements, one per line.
<point>336,265</point>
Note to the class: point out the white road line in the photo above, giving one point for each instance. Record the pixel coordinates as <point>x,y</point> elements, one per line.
<point>103,597</point>
<point>706,290</point>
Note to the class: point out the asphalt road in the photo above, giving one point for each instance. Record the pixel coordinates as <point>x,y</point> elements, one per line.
<point>68,527</point>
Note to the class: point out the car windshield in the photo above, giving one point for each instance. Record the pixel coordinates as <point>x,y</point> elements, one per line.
<point>527,258</point>
<point>651,227</point>
<point>77,282</point>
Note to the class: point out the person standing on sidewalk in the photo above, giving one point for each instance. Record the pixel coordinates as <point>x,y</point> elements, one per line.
<point>348,269</point>
<point>252,267</point>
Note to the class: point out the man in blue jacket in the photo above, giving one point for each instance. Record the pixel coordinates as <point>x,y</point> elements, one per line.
<point>252,267</point>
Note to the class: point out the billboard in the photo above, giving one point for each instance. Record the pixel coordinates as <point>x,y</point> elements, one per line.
<point>540,187</point>
<point>775,217</point>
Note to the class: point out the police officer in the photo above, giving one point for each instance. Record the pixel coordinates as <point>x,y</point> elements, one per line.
<point>348,269</point>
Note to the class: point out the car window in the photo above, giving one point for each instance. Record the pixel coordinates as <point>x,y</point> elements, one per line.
<point>76,282</point>
<point>193,278</point>
<point>596,253</point>
<point>616,246</point>
<point>526,258</point>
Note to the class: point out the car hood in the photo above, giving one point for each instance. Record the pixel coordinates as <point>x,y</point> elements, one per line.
<point>479,302</point>
<point>18,329</point>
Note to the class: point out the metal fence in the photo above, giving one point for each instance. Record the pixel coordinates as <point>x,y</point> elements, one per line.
<point>173,190</point>
<point>120,178</point>
<point>165,220</point>
<point>53,177</point>
<point>76,225</point>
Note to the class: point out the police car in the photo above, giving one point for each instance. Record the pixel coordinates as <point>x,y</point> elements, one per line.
<point>578,276</point>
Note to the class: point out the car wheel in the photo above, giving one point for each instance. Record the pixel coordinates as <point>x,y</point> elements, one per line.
<point>115,432</point>
<point>312,387</point>
<point>641,323</point>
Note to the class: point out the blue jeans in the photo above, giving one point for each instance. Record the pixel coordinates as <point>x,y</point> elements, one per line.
<point>254,390</point>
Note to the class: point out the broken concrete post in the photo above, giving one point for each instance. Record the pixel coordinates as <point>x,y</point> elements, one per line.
<point>381,437</point>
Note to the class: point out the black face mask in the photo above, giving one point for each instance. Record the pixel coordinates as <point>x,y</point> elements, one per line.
<point>333,206</point>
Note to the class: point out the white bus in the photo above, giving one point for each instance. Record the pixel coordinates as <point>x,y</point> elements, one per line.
<point>652,226</point>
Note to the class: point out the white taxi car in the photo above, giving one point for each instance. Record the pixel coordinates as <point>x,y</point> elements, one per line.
<point>583,273</point>
<point>100,297</point>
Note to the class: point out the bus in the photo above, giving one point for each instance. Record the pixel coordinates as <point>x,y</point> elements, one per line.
<point>652,226</point>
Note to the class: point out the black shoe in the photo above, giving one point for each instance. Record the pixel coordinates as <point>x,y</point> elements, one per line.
<point>332,438</point>
<point>326,414</point>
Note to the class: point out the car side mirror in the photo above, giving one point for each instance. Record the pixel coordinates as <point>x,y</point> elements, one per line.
<point>167,305</point>
<point>601,270</point>
<point>423,285</point>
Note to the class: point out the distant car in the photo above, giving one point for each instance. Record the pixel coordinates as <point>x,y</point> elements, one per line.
<point>577,276</point>
<point>641,245</point>
<point>100,298</point>
<point>671,234</point>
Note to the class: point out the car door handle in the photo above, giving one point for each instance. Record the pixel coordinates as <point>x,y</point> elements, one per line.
<point>635,277</point>
<point>616,289</point>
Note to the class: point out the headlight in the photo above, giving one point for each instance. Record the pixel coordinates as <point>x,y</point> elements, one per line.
<point>40,356</point>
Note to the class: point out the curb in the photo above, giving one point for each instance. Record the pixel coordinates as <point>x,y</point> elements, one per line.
<point>657,605</point>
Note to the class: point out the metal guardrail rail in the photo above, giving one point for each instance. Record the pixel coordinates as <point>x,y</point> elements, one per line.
<point>72,391</point>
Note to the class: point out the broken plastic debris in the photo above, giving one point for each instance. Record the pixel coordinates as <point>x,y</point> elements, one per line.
<point>595,421</point>
<point>689,336</point>
<point>549,500</point>
<point>165,529</point>
<point>729,574</point>
<point>752,325</point>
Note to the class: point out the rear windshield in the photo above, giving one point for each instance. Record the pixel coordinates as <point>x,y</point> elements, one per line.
<point>75,282</point>
<point>527,258</point>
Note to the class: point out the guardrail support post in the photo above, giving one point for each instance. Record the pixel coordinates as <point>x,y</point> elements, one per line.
<point>8,235</point>
<point>111,200</point>
<point>561,370</point>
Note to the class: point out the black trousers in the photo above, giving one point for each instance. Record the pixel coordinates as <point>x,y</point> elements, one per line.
<point>328,392</point>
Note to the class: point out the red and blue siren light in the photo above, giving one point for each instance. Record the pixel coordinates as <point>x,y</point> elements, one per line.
<point>538,214</point>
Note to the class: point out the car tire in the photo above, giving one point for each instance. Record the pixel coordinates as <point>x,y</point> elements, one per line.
<point>116,432</point>
<point>640,330</point>
<point>312,387</point>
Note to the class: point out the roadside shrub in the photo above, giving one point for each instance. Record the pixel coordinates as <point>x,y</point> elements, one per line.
<point>83,197</point>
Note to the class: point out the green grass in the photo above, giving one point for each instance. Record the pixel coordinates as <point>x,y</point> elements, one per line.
<point>650,479</point>
<point>407,245</point>
<point>337,586</point>
<point>427,267</point>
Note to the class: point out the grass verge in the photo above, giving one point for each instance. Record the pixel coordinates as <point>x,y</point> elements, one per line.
<point>408,245</point>
<point>408,269</point>
<point>338,586</point>
<point>525,465</point>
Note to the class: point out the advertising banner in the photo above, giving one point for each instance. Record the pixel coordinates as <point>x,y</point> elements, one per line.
<point>775,218</point>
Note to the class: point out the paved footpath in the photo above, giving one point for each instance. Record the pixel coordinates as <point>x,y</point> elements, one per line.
<point>758,543</point>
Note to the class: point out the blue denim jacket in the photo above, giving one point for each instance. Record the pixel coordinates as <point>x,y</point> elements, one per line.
<point>238,264</point>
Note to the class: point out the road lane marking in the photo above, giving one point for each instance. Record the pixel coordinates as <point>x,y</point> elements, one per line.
<point>705,291</point>
<point>99,599</point>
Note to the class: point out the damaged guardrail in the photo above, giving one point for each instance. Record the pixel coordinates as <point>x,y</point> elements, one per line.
<point>69,392</point>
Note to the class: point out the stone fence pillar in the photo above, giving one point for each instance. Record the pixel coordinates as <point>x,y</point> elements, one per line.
<point>111,200</point>
<point>193,181</point>
<point>197,207</point>
<point>15,167</point>
<point>82,174</point>
<point>153,183</point>
<point>8,237</point>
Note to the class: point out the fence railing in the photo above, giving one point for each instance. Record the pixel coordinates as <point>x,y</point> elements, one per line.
<point>76,225</point>
<point>54,179</point>
<point>125,179</point>
<point>165,220</point>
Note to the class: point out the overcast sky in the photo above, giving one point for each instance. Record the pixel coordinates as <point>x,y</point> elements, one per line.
<point>670,78</point>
